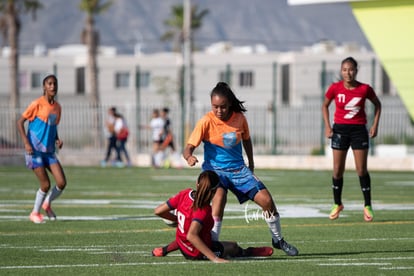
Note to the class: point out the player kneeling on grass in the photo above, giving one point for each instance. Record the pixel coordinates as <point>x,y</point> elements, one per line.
<point>194,224</point>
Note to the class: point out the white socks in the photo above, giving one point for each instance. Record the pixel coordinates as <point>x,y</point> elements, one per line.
<point>272,221</point>
<point>54,194</point>
<point>40,197</point>
<point>274,225</point>
<point>215,231</point>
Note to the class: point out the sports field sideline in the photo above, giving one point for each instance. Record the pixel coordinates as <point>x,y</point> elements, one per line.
<point>105,225</point>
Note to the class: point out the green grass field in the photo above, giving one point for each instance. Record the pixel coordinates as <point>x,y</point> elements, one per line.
<point>105,225</point>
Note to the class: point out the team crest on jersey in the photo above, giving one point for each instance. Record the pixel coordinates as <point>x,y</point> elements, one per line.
<point>229,139</point>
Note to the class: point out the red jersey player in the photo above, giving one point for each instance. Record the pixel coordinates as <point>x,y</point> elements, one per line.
<point>195,221</point>
<point>349,130</point>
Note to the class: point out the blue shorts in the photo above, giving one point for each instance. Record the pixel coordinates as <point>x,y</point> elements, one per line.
<point>40,159</point>
<point>242,182</point>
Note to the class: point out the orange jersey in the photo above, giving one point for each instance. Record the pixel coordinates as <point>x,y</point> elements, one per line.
<point>43,119</point>
<point>222,139</point>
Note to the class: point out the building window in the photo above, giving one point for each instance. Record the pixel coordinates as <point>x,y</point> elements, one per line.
<point>122,79</point>
<point>23,80</point>
<point>80,81</point>
<point>285,84</point>
<point>36,79</point>
<point>246,79</point>
<point>144,79</point>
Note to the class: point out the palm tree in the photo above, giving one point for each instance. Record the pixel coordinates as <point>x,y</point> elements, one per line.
<point>181,35</point>
<point>10,27</point>
<point>175,25</point>
<point>90,37</point>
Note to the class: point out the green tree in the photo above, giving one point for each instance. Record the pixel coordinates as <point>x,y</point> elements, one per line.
<point>181,35</point>
<point>10,25</point>
<point>175,25</point>
<point>90,37</point>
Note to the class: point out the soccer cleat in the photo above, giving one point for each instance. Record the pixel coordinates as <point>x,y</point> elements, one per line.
<point>159,252</point>
<point>258,251</point>
<point>290,250</point>
<point>49,212</point>
<point>368,213</point>
<point>336,209</point>
<point>36,217</point>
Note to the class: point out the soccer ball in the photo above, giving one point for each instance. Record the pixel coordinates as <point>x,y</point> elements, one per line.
<point>171,223</point>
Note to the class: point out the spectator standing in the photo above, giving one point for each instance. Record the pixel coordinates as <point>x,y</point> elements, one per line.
<point>122,132</point>
<point>111,143</point>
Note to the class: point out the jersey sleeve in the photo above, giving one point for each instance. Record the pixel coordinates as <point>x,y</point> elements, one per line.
<point>31,111</point>
<point>371,93</point>
<point>198,133</point>
<point>330,93</point>
<point>200,215</point>
<point>173,201</point>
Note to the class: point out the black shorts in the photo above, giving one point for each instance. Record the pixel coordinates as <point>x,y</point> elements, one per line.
<point>345,135</point>
<point>217,248</point>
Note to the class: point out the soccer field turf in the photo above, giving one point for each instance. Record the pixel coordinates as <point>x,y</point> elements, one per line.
<point>106,225</point>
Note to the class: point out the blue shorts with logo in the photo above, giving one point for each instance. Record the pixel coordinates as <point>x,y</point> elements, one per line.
<point>242,182</point>
<point>40,159</point>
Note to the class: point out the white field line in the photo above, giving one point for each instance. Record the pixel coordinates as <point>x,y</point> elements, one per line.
<point>368,261</point>
<point>249,211</point>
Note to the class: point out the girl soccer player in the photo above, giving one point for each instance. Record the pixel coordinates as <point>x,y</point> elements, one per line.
<point>349,130</point>
<point>40,141</point>
<point>225,131</point>
<point>195,221</point>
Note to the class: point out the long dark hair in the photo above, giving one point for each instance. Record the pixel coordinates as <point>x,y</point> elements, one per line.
<point>223,89</point>
<point>207,184</point>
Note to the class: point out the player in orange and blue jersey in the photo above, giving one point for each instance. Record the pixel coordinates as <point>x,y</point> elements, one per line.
<point>225,132</point>
<point>194,224</point>
<point>40,143</point>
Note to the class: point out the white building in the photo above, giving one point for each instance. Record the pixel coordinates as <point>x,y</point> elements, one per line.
<point>256,76</point>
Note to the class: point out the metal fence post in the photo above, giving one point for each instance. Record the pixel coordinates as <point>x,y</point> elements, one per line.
<point>137,107</point>
<point>370,109</point>
<point>228,74</point>
<point>323,88</point>
<point>274,109</point>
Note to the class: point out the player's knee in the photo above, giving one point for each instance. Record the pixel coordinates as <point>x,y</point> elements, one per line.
<point>45,186</point>
<point>268,205</point>
<point>61,184</point>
